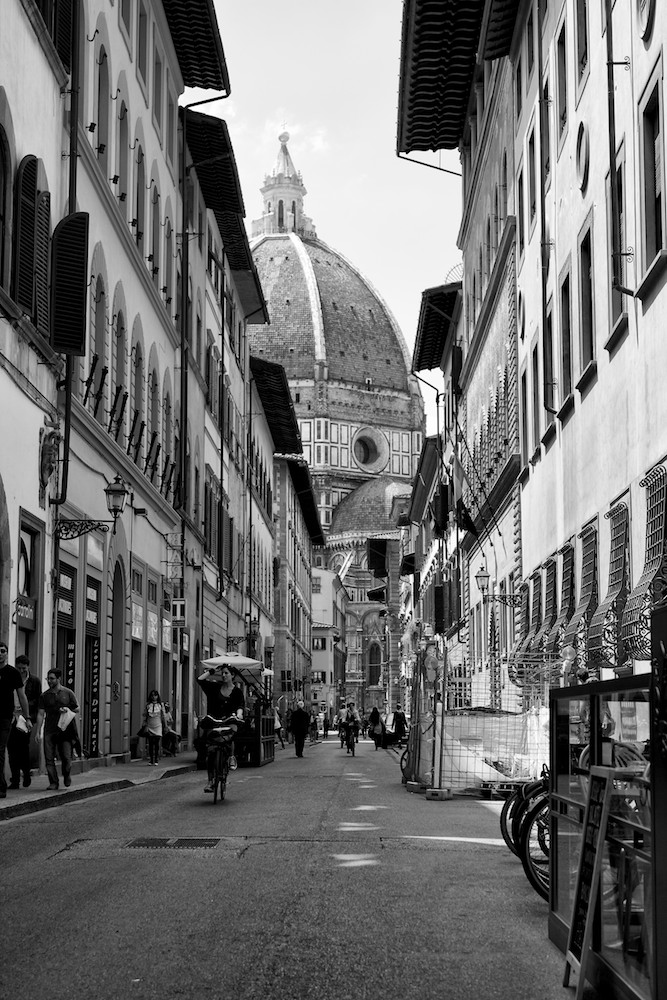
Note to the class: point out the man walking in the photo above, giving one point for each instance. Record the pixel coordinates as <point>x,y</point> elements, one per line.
<point>18,746</point>
<point>51,705</point>
<point>300,723</point>
<point>10,682</point>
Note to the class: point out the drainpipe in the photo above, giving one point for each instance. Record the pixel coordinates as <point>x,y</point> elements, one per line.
<point>616,249</point>
<point>545,247</point>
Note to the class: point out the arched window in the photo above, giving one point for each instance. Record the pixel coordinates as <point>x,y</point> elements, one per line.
<point>374,664</point>
<point>166,430</point>
<point>123,160</point>
<point>167,269</point>
<point>119,401</point>
<point>294,214</point>
<point>97,397</point>
<point>5,189</point>
<point>139,219</point>
<point>281,214</point>
<point>138,404</point>
<point>155,235</point>
<point>102,110</point>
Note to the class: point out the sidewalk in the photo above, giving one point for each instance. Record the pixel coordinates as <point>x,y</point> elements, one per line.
<point>109,777</point>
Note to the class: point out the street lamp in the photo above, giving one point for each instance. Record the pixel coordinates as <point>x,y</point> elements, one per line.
<point>116,494</point>
<point>482,578</point>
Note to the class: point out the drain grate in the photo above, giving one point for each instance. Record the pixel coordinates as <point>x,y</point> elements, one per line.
<point>179,843</point>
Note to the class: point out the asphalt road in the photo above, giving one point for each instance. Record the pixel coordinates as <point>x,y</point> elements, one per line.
<point>319,878</point>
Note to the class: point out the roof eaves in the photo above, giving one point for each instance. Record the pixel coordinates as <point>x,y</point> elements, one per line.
<point>439,45</point>
<point>274,392</point>
<point>438,318</point>
<point>194,30</point>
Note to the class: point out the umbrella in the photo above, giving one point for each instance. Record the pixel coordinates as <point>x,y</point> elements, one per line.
<point>231,659</point>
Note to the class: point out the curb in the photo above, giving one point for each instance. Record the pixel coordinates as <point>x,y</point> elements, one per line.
<point>78,794</point>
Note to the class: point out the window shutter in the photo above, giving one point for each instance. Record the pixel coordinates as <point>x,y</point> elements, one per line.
<point>69,284</point>
<point>42,236</point>
<point>24,256</point>
<point>62,34</point>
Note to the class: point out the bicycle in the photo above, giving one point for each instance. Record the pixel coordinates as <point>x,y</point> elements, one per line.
<point>220,737</point>
<point>350,739</point>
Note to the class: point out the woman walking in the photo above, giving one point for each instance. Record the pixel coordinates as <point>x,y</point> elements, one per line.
<point>155,722</point>
<point>375,728</point>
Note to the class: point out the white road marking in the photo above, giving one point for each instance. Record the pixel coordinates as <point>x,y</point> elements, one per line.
<point>490,841</point>
<point>366,808</point>
<point>355,860</point>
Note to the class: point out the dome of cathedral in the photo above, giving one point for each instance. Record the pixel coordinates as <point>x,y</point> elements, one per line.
<point>370,505</point>
<point>325,315</point>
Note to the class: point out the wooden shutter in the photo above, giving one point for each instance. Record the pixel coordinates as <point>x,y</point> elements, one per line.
<point>42,237</point>
<point>24,247</point>
<point>62,32</point>
<point>69,284</point>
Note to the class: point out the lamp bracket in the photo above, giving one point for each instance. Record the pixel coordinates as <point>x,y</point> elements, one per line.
<point>72,528</point>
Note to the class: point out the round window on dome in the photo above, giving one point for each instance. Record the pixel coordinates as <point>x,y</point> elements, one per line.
<point>370,449</point>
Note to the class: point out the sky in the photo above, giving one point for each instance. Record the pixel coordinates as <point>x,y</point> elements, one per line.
<point>328,73</point>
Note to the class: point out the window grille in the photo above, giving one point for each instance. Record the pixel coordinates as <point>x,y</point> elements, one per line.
<point>650,590</point>
<point>576,633</point>
<point>555,639</point>
<point>605,647</point>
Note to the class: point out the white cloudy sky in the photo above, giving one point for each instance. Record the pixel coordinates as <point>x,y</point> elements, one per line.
<point>327,71</point>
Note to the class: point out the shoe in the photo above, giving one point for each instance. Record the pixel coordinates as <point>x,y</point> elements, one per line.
<point>210,787</point>
<point>52,788</point>
<point>27,782</point>
<point>233,763</point>
<point>13,785</point>
<point>67,781</point>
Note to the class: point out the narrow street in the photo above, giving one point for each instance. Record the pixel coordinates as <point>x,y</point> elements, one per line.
<point>318,877</point>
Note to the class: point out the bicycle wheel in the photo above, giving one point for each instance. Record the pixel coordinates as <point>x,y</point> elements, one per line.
<point>406,770</point>
<point>534,846</point>
<point>216,776</point>
<point>529,794</point>
<point>223,778</point>
<point>506,815</point>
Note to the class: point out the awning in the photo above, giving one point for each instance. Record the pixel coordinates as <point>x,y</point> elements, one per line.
<point>554,642</point>
<point>522,655</point>
<point>407,564</point>
<point>524,627</point>
<point>438,316</point>
<point>605,647</point>
<point>636,629</point>
<point>439,44</point>
<point>539,642</point>
<point>377,594</point>
<point>194,30</point>
<point>376,554</point>
<point>498,28</point>
<point>576,633</point>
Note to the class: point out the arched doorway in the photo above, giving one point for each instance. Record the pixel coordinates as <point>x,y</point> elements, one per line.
<point>117,662</point>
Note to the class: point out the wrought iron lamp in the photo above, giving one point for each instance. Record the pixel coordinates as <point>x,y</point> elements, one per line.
<point>482,578</point>
<point>116,494</point>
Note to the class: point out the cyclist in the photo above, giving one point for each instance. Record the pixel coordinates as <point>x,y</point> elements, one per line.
<point>223,700</point>
<point>352,721</point>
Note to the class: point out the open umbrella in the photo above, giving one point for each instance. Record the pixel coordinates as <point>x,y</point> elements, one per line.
<point>231,659</point>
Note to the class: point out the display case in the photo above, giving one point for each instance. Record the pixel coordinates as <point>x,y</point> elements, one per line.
<point>616,724</point>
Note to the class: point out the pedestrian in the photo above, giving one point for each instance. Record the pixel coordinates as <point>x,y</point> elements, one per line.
<point>10,682</point>
<point>312,727</point>
<point>54,703</point>
<point>224,699</point>
<point>376,727</point>
<point>288,726</point>
<point>170,738</point>
<point>18,746</point>
<point>325,726</point>
<point>300,722</point>
<point>278,727</point>
<point>155,722</point>
<point>400,723</point>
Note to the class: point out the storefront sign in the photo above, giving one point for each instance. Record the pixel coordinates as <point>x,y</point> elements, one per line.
<point>137,621</point>
<point>70,665</point>
<point>151,627</point>
<point>26,613</point>
<point>166,636</point>
<point>94,733</point>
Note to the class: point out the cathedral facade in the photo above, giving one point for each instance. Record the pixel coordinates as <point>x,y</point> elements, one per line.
<point>359,408</point>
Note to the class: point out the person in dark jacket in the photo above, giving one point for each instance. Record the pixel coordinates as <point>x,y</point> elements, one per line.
<point>376,728</point>
<point>299,723</point>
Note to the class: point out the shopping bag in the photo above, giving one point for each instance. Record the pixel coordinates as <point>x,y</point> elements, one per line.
<point>65,718</point>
